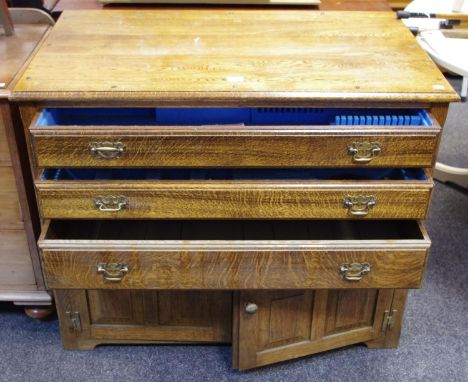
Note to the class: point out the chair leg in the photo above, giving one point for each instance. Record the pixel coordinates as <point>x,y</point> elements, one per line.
<point>464,90</point>
<point>444,173</point>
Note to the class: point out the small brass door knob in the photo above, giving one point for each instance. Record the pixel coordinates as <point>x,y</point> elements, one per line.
<point>251,308</point>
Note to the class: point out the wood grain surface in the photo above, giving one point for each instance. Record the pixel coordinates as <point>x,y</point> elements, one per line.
<point>116,317</point>
<point>10,210</point>
<point>16,270</point>
<point>250,269</point>
<point>5,157</point>
<point>292,324</point>
<point>234,146</point>
<point>189,316</point>
<point>232,199</point>
<point>21,277</point>
<point>197,263</point>
<point>354,5</point>
<point>15,51</point>
<point>390,337</point>
<point>398,4</point>
<point>231,56</point>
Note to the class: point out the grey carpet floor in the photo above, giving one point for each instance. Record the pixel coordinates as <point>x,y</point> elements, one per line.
<point>433,347</point>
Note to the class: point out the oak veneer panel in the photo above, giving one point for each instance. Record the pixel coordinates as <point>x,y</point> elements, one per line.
<point>391,338</point>
<point>355,5</point>
<point>72,264</point>
<point>349,309</point>
<point>16,269</point>
<point>5,158</point>
<point>186,308</point>
<point>135,316</point>
<point>108,307</point>
<point>10,211</point>
<point>20,273</point>
<point>231,57</point>
<point>232,199</point>
<point>217,146</point>
<point>398,4</point>
<point>292,324</point>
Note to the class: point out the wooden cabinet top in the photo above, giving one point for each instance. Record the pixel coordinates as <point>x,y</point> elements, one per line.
<point>231,57</point>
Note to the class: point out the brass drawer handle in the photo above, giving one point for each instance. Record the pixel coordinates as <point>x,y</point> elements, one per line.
<point>354,271</point>
<point>359,205</point>
<point>112,272</point>
<point>110,203</point>
<point>364,152</point>
<point>106,150</point>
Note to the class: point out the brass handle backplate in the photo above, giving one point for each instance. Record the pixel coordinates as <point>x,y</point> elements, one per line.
<point>359,205</point>
<point>112,272</point>
<point>106,150</point>
<point>354,271</point>
<point>364,152</point>
<point>110,203</point>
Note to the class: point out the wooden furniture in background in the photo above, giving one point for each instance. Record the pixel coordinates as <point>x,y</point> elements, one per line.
<point>21,278</point>
<point>355,5</point>
<point>351,5</point>
<point>299,232</point>
<point>216,2</point>
<point>5,19</point>
<point>398,4</point>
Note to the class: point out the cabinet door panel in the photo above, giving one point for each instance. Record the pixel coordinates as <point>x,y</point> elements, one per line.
<point>130,316</point>
<point>350,309</point>
<point>106,307</point>
<point>291,324</point>
<point>185,308</point>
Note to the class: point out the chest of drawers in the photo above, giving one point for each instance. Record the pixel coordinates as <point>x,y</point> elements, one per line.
<point>21,278</point>
<point>233,176</point>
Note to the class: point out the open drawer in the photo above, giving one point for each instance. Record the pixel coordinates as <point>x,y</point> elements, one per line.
<point>234,137</point>
<point>234,193</point>
<point>261,254</point>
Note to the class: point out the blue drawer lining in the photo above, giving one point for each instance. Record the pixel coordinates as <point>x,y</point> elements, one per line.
<point>235,174</point>
<point>222,116</point>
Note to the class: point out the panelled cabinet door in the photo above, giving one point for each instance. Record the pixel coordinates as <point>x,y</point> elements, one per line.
<point>92,317</point>
<point>274,326</point>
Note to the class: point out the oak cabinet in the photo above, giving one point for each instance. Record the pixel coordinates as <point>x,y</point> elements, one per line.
<point>291,324</point>
<point>220,184</point>
<point>91,317</point>
<point>21,279</point>
<point>266,326</point>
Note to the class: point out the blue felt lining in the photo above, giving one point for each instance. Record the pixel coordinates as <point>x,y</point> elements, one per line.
<point>246,116</point>
<point>234,174</point>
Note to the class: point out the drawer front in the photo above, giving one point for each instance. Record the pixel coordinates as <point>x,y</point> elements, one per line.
<point>317,148</point>
<point>231,200</point>
<point>233,254</point>
<point>223,269</point>
<point>234,137</point>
